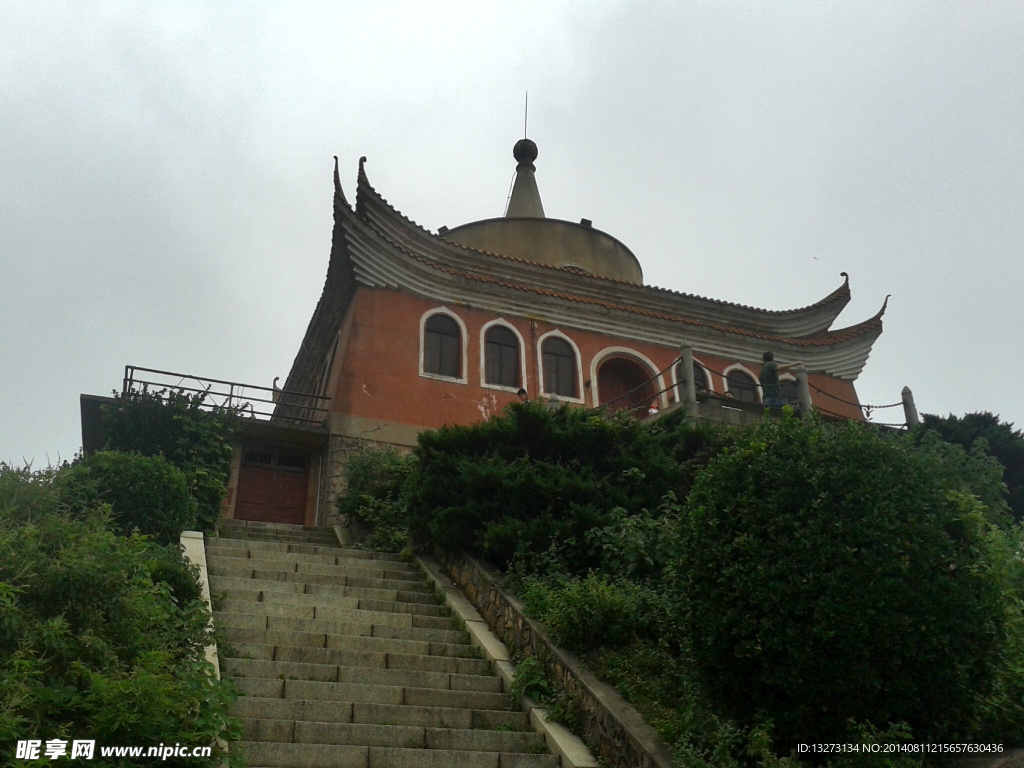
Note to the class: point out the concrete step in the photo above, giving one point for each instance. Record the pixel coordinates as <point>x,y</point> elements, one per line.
<point>328,599</point>
<point>292,534</point>
<point>280,529</point>
<point>381,714</point>
<point>322,617</point>
<point>273,545</point>
<point>369,693</point>
<point>345,659</point>
<point>328,557</point>
<point>242,568</point>
<point>361,658</point>
<point>388,735</point>
<point>227,583</point>
<point>278,755</point>
<point>403,639</point>
<point>297,538</point>
<point>370,675</point>
<point>339,568</point>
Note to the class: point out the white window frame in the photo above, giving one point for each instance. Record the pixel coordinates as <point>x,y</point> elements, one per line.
<point>465,345</point>
<point>741,367</point>
<point>483,356</point>
<point>709,378</point>
<point>579,368</point>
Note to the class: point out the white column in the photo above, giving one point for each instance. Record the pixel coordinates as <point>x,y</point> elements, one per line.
<point>689,386</point>
<point>909,409</point>
<point>803,389</point>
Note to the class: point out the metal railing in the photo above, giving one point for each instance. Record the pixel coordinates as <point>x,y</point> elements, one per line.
<point>248,400</point>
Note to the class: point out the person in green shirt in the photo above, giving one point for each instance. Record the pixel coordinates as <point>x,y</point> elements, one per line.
<point>771,392</point>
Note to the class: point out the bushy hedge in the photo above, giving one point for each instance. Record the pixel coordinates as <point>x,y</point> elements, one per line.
<point>101,636</point>
<point>748,589</point>
<point>146,494</point>
<point>829,575</point>
<point>999,438</point>
<point>512,487</point>
<point>177,426</point>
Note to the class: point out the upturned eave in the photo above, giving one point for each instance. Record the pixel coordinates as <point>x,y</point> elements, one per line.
<point>380,244</point>
<point>395,226</point>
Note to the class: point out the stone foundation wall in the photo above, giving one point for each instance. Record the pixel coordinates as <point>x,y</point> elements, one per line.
<point>612,729</point>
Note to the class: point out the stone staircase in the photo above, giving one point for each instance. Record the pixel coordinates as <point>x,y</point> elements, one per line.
<point>345,659</point>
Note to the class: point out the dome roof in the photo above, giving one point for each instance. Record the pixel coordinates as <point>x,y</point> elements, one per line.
<point>525,232</point>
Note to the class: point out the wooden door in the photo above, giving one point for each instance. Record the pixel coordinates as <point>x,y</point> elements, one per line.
<point>272,485</point>
<point>623,385</point>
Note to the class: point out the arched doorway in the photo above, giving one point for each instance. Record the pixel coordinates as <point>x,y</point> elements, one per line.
<point>623,384</point>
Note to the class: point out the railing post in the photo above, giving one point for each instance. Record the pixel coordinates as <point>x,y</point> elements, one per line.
<point>909,409</point>
<point>689,393</point>
<point>803,389</point>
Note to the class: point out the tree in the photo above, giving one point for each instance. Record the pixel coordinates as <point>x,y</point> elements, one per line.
<point>177,426</point>
<point>528,479</point>
<point>830,576</point>
<point>145,494</point>
<point>101,636</point>
<point>1001,441</point>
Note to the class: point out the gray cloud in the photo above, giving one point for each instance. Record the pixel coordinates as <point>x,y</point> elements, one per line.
<point>165,171</point>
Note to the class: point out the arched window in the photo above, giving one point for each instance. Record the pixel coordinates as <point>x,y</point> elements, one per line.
<point>501,357</point>
<point>742,386</point>
<point>442,346</point>
<point>701,382</point>
<point>559,360</point>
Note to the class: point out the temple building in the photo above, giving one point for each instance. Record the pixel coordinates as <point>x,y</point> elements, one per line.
<point>416,329</point>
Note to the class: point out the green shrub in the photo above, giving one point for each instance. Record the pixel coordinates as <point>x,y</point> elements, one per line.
<point>584,614</point>
<point>147,494</point>
<point>99,636</point>
<point>829,575</point>
<point>27,494</point>
<point>665,689</point>
<point>511,487</point>
<point>637,546</point>
<point>593,612</point>
<point>1000,440</point>
<point>530,680</point>
<point>387,525</point>
<point>177,426</point>
<point>376,480</point>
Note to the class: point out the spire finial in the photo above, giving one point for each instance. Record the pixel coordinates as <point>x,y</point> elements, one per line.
<point>526,112</point>
<point>524,202</point>
<point>525,151</point>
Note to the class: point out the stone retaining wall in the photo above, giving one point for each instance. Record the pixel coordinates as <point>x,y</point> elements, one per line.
<point>612,728</point>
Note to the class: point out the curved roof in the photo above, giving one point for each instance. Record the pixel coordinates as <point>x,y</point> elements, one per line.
<point>803,321</point>
<point>377,246</point>
<point>389,250</point>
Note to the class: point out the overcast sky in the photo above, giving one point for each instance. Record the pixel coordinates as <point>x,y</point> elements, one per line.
<point>165,171</point>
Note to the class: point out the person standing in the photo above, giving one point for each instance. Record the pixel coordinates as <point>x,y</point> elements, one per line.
<point>771,391</point>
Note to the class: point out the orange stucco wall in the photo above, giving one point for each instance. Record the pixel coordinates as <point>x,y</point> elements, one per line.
<point>377,372</point>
